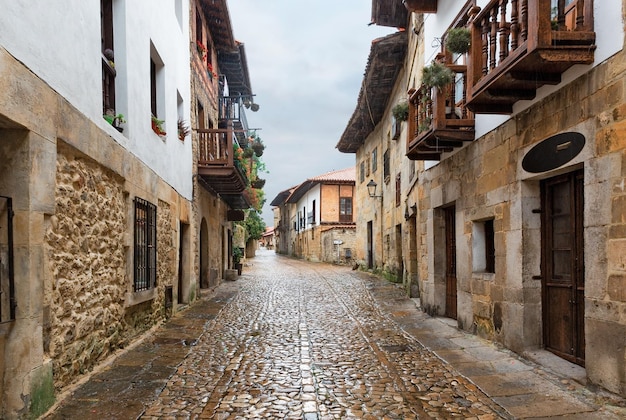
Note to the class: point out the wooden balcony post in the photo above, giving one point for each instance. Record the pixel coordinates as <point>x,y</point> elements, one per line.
<point>539,24</point>
<point>474,66</point>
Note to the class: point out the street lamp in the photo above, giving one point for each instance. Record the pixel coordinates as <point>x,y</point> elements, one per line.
<point>371,189</point>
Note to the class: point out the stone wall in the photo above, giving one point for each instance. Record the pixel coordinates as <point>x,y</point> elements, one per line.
<point>87,261</point>
<point>337,253</point>
<point>485,180</point>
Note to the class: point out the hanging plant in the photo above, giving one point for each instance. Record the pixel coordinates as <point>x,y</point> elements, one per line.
<point>401,111</point>
<point>258,147</point>
<point>248,152</point>
<point>437,75</point>
<point>458,40</point>
<point>257,183</point>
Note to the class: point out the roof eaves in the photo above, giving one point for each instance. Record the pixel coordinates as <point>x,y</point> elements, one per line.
<point>385,61</point>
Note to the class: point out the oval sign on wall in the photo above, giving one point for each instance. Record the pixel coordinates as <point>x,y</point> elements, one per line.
<point>553,152</point>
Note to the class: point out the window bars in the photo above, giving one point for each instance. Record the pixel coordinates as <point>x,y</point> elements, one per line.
<point>145,245</point>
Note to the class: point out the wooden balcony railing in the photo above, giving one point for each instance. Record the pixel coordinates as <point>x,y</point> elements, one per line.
<point>439,121</point>
<point>215,147</point>
<point>518,46</point>
<point>218,168</point>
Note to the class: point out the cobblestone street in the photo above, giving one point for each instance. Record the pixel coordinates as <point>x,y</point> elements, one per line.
<point>296,340</point>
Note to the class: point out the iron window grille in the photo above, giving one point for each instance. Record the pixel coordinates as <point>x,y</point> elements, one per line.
<point>145,245</point>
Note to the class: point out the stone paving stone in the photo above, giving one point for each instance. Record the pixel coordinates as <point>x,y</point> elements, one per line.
<point>295,340</point>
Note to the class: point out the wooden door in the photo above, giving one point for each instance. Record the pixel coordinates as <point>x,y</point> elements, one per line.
<point>449,215</point>
<point>563,266</point>
<point>370,245</point>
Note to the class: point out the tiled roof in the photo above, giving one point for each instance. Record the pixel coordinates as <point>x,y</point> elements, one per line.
<point>342,175</point>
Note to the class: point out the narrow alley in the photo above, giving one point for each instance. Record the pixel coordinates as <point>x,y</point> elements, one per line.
<point>298,340</point>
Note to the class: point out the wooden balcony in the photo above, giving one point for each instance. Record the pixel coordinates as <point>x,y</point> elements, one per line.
<point>518,46</point>
<point>437,122</point>
<point>218,170</point>
<point>421,6</point>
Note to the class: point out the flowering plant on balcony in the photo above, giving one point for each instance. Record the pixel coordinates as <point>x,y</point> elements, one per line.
<point>209,68</point>
<point>201,49</point>
<point>157,126</point>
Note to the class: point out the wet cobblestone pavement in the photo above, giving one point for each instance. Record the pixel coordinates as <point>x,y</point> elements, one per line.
<point>295,340</point>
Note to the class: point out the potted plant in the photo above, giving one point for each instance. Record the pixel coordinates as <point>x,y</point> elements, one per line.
<point>157,126</point>
<point>458,40</point>
<point>437,75</point>
<point>401,111</point>
<point>237,256</point>
<point>115,120</point>
<point>209,68</point>
<point>183,129</point>
<point>201,49</point>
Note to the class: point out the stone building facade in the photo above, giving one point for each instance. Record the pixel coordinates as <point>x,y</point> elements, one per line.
<point>514,225</point>
<point>316,218</point>
<point>220,86</point>
<point>99,212</point>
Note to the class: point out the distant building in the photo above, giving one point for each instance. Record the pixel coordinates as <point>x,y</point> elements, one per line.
<point>267,240</point>
<point>317,218</point>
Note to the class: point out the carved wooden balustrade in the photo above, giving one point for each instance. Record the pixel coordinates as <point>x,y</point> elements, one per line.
<point>439,121</point>
<point>518,46</point>
<point>218,168</point>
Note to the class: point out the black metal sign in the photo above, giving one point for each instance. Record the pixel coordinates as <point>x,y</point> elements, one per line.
<point>553,152</point>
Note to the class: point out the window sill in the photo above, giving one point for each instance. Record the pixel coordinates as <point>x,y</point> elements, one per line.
<point>135,298</point>
<point>481,275</point>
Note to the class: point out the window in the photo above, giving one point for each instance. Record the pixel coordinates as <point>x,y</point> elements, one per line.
<point>108,58</point>
<point>362,172</point>
<point>483,247</point>
<point>398,190</point>
<point>201,117</point>
<point>345,209</point>
<point>375,159</point>
<point>153,89</point>
<point>199,27</point>
<point>386,169</point>
<point>145,245</point>
<point>311,215</point>
<point>7,281</point>
<point>367,166</point>
<point>157,84</point>
<point>490,248</point>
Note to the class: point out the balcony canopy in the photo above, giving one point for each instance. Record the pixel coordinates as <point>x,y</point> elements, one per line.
<point>389,13</point>
<point>230,53</point>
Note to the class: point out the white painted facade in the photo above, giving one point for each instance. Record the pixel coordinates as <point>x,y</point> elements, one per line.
<point>304,207</point>
<point>59,41</point>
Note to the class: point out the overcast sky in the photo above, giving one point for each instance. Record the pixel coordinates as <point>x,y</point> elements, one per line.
<point>306,62</point>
